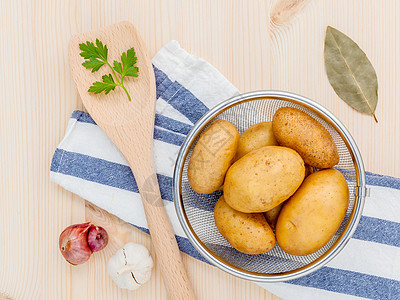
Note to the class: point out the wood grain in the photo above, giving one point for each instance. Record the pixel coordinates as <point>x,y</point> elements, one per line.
<point>237,37</point>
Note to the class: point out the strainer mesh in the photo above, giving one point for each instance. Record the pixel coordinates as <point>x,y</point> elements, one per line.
<point>199,208</point>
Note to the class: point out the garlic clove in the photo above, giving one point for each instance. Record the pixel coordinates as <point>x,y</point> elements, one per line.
<point>143,269</point>
<point>126,281</point>
<point>131,266</point>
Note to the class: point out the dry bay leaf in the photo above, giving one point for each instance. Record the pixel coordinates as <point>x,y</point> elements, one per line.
<point>350,72</point>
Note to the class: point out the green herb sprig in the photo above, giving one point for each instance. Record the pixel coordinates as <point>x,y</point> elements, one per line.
<point>95,56</point>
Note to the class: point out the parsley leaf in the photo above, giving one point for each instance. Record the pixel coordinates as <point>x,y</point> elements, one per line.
<point>90,50</point>
<point>128,61</point>
<point>106,86</point>
<point>95,55</point>
<point>117,67</point>
<point>94,64</point>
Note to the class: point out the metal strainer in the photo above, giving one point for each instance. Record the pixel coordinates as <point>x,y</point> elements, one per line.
<point>195,211</point>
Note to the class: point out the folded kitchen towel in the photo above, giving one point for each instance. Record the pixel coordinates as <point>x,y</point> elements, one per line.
<point>88,164</point>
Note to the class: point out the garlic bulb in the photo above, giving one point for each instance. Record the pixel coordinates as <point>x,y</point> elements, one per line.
<point>131,266</point>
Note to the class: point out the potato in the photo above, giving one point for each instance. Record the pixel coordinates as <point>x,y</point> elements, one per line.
<point>311,217</point>
<point>297,130</point>
<point>211,157</point>
<point>247,233</point>
<point>263,178</point>
<point>272,215</point>
<point>255,137</point>
<point>309,170</point>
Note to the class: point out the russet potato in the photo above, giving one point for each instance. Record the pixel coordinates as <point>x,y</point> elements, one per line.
<point>272,215</point>
<point>211,157</point>
<point>309,170</point>
<point>311,217</point>
<point>247,233</point>
<point>297,130</point>
<point>254,137</point>
<point>263,178</point>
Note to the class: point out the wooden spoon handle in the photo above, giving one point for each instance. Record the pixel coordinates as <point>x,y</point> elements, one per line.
<point>163,238</point>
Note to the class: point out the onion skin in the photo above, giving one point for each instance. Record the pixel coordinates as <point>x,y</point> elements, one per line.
<point>74,245</point>
<point>97,238</point>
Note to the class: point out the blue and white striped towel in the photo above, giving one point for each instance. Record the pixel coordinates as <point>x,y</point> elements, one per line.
<point>88,164</point>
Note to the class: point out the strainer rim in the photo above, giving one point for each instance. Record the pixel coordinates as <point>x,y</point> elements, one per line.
<point>337,246</point>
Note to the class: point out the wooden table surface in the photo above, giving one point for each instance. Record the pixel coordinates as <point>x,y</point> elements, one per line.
<point>255,44</point>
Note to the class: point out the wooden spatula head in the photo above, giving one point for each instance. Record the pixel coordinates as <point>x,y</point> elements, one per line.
<point>114,108</point>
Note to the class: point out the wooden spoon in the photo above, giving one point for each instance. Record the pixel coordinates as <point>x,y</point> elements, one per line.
<point>130,125</point>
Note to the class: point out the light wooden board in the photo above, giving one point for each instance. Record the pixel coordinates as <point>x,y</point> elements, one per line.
<point>255,44</point>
